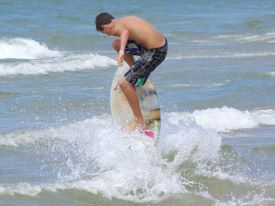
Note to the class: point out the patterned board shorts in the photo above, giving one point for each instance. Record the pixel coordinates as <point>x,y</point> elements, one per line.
<point>148,61</point>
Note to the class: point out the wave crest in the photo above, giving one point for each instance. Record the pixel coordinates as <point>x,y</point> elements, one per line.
<point>20,48</point>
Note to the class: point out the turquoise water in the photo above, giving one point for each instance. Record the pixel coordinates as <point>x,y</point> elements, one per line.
<point>58,145</point>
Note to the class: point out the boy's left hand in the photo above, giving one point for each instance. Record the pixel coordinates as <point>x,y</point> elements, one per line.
<point>120,57</point>
<point>120,60</point>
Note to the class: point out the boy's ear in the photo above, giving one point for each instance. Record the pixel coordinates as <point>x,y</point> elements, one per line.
<point>106,26</point>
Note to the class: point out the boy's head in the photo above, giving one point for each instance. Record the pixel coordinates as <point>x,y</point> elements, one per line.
<point>101,20</point>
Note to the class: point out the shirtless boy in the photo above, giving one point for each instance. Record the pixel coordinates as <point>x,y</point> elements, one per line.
<point>135,37</point>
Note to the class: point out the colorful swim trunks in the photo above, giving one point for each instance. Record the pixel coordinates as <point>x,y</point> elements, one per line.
<point>148,61</point>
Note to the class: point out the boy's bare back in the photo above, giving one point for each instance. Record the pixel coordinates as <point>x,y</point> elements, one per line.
<point>142,32</point>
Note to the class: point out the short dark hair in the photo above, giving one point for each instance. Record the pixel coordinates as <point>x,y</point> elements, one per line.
<point>101,19</point>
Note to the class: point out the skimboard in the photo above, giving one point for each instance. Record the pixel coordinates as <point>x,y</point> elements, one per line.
<point>121,111</point>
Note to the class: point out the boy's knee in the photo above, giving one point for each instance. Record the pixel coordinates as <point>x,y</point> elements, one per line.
<point>116,44</point>
<point>123,82</point>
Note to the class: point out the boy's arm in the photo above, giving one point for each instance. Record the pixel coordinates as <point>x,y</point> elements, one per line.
<point>123,41</point>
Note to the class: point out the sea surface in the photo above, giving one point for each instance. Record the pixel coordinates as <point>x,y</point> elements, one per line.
<point>216,88</point>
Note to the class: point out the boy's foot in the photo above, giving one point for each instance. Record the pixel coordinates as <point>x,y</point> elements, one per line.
<point>149,133</point>
<point>130,127</point>
<point>133,126</point>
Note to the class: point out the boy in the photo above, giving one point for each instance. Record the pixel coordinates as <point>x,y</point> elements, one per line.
<point>135,37</point>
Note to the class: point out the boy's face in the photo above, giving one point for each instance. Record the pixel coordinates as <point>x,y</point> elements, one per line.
<point>107,29</point>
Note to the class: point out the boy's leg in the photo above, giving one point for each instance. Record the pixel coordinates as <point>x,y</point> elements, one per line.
<point>133,100</point>
<point>129,91</point>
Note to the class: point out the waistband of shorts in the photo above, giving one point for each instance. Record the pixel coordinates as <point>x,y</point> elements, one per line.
<point>159,48</point>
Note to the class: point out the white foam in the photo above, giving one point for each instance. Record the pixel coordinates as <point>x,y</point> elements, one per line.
<point>182,133</point>
<point>121,176</point>
<point>268,37</point>
<point>21,188</point>
<point>179,85</point>
<point>103,185</point>
<point>224,119</point>
<point>69,132</point>
<point>20,48</point>
<point>228,36</point>
<point>227,118</point>
<point>264,117</point>
<point>69,62</point>
<point>249,199</point>
<point>272,74</point>
<point>249,38</point>
<point>39,59</point>
<point>129,167</point>
<point>218,84</point>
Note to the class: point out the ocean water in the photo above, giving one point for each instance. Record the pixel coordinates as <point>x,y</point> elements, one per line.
<point>58,145</point>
